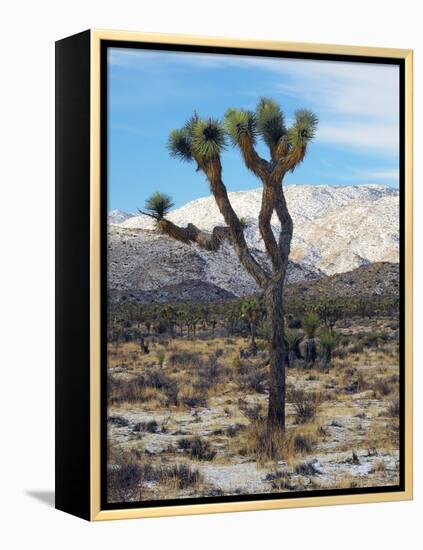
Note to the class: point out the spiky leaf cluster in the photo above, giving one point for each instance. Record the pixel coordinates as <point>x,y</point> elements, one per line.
<point>158,205</point>
<point>179,144</point>
<point>270,121</point>
<point>251,309</point>
<point>199,139</point>
<point>207,139</point>
<point>304,128</point>
<point>238,123</point>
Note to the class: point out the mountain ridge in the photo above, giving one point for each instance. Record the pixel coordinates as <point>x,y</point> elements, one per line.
<point>336,230</point>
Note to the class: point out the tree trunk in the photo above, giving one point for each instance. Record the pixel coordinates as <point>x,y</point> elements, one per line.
<point>277,355</point>
<point>310,352</point>
<point>253,345</point>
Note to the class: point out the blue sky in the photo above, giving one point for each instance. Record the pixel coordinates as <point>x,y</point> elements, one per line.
<point>152,92</point>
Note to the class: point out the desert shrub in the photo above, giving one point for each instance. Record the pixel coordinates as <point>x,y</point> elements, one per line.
<point>357,348</point>
<point>281,481</point>
<point>155,379</point>
<point>373,339</point>
<point>306,404</point>
<point>328,341</point>
<point>197,447</point>
<point>184,443</point>
<point>234,429</point>
<point>379,467</point>
<point>263,331</point>
<point>340,353</point>
<point>118,420</point>
<point>212,372</point>
<point>184,357</point>
<point>185,475</point>
<point>252,412</point>
<point>151,426</point>
<point>380,388</point>
<point>121,390</point>
<point>303,443</point>
<point>261,345</point>
<point>306,469</point>
<point>293,339</point>
<point>310,324</point>
<point>161,357</point>
<point>344,341</point>
<point>124,482</point>
<point>193,395</point>
<point>262,443</point>
<point>237,363</point>
<point>394,408</point>
<point>252,378</point>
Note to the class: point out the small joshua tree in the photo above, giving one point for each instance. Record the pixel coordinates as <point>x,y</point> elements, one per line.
<point>328,341</point>
<point>158,205</point>
<point>310,324</point>
<point>293,339</point>
<point>201,142</point>
<point>252,312</point>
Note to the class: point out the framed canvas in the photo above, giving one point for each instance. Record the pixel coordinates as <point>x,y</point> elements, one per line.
<point>233,275</point>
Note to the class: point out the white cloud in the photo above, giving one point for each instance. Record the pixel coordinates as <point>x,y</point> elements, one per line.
<point>377,136</point>
<point>357,103</point>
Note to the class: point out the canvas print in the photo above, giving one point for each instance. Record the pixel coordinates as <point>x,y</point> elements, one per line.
<point>253,276</point>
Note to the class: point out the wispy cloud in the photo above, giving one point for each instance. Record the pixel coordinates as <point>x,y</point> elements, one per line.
<point>384,175</point>
<point>378,136</point>
<point>357,103</point>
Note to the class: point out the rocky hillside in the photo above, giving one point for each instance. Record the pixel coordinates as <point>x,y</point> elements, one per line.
<point>336,229</point>
<point>118,216</point>
<point>368,281</point>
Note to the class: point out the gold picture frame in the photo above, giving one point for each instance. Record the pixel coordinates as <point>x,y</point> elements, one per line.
<point>90,497</point>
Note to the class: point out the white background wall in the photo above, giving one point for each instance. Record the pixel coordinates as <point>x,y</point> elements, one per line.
<point>28,32</point>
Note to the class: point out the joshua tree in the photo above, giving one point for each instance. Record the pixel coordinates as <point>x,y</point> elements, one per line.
<point>328,341</point>
<point>310,324</point>
<point>201,141</point>
<point>169,316</point>
<point>330,311</point>
<point>293,339</point>
<point>158,205</point>
<point>252,312</point>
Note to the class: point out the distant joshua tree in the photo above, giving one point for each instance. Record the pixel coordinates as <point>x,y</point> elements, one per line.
<point>252,312</point>
<point>201,141</point>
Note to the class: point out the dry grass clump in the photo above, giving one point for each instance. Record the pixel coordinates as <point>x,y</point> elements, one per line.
<point>394,408</point>
<point>264,444</point>
<point>281,481</point>
<point>252,377</point>
<point>306,404</point>
<point>134,389</point>
<point>130,480</point>
<point>379,467</point>
<point>192,395</point>
<point>198,448</point>
<point>184,358</point>
<point>306,469</point>
<point>381,388</point>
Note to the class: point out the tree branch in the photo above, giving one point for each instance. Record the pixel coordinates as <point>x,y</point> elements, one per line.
<point>287,162</point>
<point>253,161</point>
<point>265,217</point>
<point>207,240</point>
<point>213,171</point>
<point>287,226</point>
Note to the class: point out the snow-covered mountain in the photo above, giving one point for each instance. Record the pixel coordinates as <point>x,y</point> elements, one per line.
<point>118,216</point>
<point>336,229</point>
